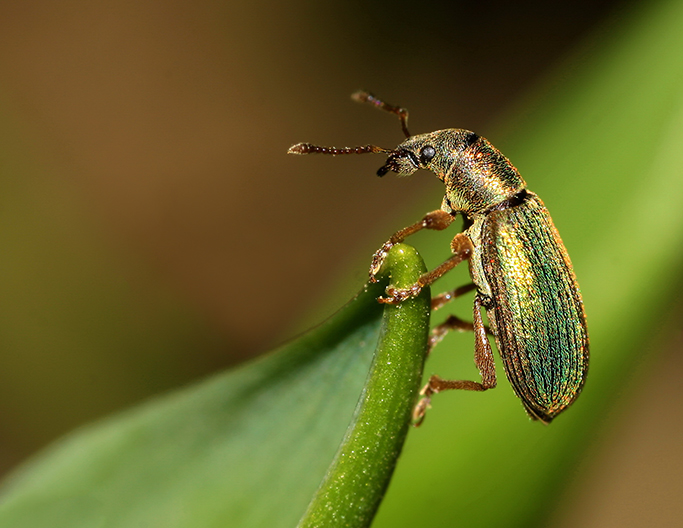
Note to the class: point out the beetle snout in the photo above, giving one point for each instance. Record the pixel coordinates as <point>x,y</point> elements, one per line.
<point>402,162</point>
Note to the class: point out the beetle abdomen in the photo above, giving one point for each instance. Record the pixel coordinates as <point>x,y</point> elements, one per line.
<point>537,311</point>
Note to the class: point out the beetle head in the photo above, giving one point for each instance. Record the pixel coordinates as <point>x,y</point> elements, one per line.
<point>435,151</point>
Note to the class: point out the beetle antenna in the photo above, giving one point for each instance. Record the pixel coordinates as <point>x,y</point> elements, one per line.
<point>309,148</point>
<point>362,96</point>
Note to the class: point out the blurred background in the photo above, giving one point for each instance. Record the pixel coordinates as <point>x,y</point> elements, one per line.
<point>153,230</point>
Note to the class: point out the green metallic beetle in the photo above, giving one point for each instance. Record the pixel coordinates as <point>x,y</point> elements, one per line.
<point>518,264</point>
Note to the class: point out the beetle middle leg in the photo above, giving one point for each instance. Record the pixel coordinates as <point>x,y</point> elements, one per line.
<point>452,322</point>
<point>483,359</point>
<point>462,248</point>
<point>446,297</point>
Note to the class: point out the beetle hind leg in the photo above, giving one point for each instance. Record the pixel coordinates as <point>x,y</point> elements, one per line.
<point>483,359</point>
<point>437,384</point>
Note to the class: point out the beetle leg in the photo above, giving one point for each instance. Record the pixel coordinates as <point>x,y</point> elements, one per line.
<point>436,220</point>
<point>483,359</point>
<point>462,248</point>
<point>451,323</point>
<point>483,355</point>
<point>446,297</point>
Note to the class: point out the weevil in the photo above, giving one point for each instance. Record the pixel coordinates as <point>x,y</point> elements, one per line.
<point>519,267</point>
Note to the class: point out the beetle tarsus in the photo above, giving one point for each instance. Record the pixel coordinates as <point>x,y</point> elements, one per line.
<point>420,410</point>
<point>378,259</point>
<point>398,295</point>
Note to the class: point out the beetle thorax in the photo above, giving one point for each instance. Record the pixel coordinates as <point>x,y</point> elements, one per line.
<point>481,178</point>
<point>477,176</point>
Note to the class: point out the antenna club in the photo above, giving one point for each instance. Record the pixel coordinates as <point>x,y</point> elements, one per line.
<point>301,148</point>
<point>361,96</point>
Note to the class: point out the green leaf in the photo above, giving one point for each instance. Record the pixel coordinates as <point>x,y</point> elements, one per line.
<point>250,447</point>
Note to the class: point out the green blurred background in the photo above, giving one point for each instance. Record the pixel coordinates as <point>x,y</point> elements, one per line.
<point>153,230</point>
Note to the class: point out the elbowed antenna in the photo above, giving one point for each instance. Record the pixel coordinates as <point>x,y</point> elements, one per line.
<point>362,96</point>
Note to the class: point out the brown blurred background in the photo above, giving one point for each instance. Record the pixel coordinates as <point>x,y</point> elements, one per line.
<point>149,210</point>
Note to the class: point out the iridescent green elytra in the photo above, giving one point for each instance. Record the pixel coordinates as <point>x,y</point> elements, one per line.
<point>519,266</point>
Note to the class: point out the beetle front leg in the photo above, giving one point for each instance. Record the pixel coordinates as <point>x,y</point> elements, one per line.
<point>462,249</point>
<point>483,359</point>
<point>436,220</point>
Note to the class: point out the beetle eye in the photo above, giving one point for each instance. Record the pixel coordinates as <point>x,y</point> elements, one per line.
<point>426,154</point>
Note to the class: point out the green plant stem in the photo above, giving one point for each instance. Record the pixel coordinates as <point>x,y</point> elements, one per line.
<point>360,472</point>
